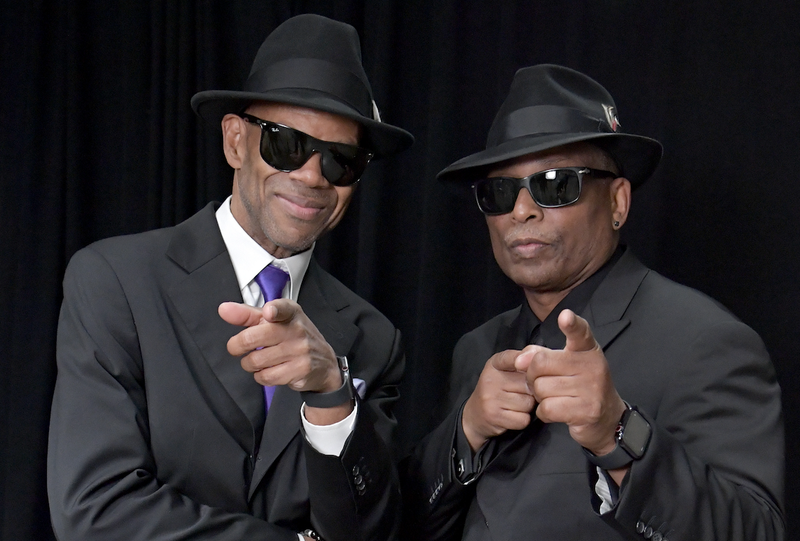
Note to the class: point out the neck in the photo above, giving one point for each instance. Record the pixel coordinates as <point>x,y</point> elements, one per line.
<point>542,304</point>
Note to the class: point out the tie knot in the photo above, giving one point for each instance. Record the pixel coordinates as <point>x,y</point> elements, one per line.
<point>271,280</point>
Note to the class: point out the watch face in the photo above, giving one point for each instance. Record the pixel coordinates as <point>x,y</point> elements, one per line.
<point>636,434</point>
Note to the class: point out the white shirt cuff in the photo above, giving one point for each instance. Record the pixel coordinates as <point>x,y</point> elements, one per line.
<point>329,439</point>
<point>603,492</point>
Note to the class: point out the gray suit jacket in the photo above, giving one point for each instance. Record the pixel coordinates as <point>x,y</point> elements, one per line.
<point>156,431</point>
<point>714,467</point>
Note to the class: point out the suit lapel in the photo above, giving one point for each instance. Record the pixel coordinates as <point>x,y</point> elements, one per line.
<point>321,302</point>
<point>606,309</point>
<point>232,393</point>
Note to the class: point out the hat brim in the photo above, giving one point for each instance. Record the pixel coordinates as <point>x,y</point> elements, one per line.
<point>381,138</point>
<point>638,156</point>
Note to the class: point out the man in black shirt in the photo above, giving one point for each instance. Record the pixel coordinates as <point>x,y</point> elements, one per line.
<point>614,403</point>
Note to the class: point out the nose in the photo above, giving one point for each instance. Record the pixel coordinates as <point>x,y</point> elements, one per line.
<point>525,208</point>
<point>311,172</point>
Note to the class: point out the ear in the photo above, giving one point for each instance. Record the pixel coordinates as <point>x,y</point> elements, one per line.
<point>620,192</point>
<point>234,140</point>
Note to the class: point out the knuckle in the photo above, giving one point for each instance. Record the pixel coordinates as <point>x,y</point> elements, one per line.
<point>248,340</point>
<point>246,364</point>
<point>261,378</point>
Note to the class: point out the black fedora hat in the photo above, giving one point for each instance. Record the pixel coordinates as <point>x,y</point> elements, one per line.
<point>549,106</point>
<point>313,62</point>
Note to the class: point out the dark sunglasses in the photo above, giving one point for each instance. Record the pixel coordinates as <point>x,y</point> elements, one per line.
<point>549,189</point>
<point>287,149</point>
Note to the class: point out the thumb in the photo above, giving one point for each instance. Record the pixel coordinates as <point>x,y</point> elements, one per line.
<point>239,314</point>
<point>504,361</point>
<point>576,329</point>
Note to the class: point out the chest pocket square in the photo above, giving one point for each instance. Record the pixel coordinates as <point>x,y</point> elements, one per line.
<point>360,386</point>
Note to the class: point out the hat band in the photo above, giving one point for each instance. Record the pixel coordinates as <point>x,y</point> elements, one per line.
<point>313,74</point>
<point>541,120</point>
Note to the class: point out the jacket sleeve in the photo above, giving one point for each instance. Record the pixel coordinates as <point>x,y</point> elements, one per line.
<point>714,466</point>
<point>356,496</point>
<point>101,475</point>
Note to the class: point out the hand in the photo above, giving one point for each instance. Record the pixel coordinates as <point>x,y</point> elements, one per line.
<point>501,401</point>
<point>281,346</point>
<point>574,386</point>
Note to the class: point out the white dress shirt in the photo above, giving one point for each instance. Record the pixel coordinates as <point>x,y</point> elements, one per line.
<point>248,259</point>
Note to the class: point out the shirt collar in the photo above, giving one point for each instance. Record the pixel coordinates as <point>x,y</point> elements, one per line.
<point>249,258</point>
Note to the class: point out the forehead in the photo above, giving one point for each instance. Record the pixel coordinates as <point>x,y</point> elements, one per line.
<point>319,124</point>
<point>574,155</point>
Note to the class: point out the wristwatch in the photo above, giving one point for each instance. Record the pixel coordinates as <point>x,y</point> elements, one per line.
<point>632,436</point>
<point>335,398</point>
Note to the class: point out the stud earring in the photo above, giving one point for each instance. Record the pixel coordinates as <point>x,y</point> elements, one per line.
<point>616,224</point>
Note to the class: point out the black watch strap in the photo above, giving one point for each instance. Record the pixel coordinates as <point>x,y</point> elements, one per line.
<point>632,437</point>
<point>335,398</point>
<point>616,459</point>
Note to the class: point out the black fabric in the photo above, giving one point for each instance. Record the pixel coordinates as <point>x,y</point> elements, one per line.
<point>97,138</point>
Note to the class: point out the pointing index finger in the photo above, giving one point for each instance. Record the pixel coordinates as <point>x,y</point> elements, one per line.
<point>576,329</point>
<point>280,310</point>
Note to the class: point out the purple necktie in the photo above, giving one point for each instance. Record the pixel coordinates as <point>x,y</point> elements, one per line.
<point>271,280</point>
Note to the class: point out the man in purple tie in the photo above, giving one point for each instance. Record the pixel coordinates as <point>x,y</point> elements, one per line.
<point>214,382</point>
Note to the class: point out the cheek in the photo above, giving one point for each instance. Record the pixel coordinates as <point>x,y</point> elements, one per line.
<point>496,237</point>
<point>344,194</point>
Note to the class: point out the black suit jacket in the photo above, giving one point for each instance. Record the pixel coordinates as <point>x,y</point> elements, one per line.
<point>714,467</point>
<point>156,431</point>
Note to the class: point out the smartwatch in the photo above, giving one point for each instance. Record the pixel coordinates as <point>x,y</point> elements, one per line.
<point>343,394</point>
<point>632,437</point>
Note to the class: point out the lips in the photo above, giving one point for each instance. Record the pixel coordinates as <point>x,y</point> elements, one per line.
<point>526,247</point>
<point>304,208</point>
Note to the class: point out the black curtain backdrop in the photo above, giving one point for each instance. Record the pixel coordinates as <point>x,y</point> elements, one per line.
<point>98,139</point>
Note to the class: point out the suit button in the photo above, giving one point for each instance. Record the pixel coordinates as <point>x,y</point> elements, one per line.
<point>358,480</point>
<point>640,527</point>
<point>356,471</point>
<point>657,536</point>
<point>648,532</point>
<point>361,490</point>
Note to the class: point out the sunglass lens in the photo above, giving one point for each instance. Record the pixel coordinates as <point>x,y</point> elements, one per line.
<point>497,195</point>
<point>284,148</point>
<point>555,188</point>
<point>343,164</point>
